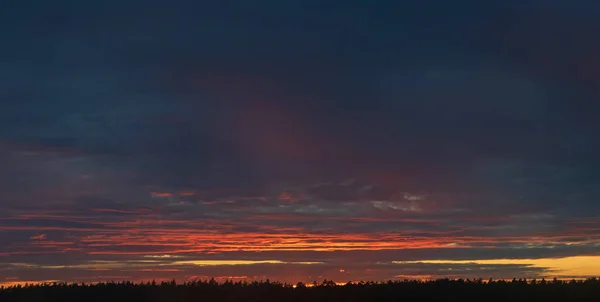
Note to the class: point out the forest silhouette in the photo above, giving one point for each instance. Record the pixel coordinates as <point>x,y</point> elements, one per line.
<point>407,290</point>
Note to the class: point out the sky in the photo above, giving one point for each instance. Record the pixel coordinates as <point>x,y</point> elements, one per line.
<point>299,140</point>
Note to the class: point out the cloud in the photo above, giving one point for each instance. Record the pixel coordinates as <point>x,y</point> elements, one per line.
<point>406,206</point>
<point>38,237</point>
<point>161,194</point>
<point>581,266</point>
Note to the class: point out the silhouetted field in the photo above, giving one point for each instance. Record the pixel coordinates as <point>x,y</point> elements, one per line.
<point>440,290</point>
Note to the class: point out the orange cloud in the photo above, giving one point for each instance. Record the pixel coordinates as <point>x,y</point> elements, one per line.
<point>285,196</point>
<point>38,237</point>
<point>187,193</point>
<point>161,194</point>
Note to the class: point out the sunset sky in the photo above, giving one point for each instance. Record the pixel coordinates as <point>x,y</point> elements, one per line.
<point>299,140</point>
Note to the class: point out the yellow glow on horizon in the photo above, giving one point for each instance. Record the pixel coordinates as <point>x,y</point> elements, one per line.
<point>163,256</point>
<point>22,283</point>
<point>236,262</point>
<point>225,262</point>
<point>583,266</point>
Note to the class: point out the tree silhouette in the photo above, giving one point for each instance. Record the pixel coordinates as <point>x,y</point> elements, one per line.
<point>327,290</point>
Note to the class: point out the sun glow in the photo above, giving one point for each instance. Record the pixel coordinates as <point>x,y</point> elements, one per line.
<point>581,266</point>
<point>237,262</point>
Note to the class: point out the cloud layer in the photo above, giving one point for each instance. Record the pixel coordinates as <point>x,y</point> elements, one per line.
<point>298,140</point>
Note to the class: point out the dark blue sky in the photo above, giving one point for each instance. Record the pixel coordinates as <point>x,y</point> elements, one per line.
<point>325,135</point>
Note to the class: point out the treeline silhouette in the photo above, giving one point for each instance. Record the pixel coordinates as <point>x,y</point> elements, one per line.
<point>407,290</point>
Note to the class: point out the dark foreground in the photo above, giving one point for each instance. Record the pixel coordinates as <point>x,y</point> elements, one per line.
<point>440,290</point>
